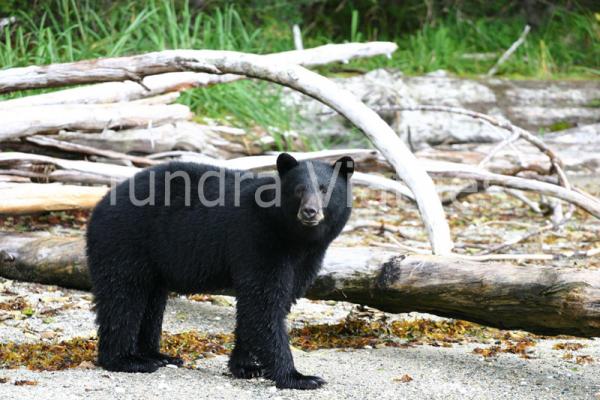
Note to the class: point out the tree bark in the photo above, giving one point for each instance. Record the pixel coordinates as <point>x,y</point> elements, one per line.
<point>44,258</point>
<point>546,300</point>
<point>541,299</point>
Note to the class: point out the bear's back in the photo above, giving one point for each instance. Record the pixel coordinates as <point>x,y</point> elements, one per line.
<point>182,236</point>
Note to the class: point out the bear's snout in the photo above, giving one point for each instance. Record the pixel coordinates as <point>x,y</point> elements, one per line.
<point>310,216</point>
<point>310,212</point>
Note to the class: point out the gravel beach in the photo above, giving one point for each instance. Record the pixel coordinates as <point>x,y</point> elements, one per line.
<point>420,372</point>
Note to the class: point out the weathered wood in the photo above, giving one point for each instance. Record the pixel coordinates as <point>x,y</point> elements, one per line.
<point>33,162</point>
<point>517,132</point>
<point>43,197</point>
<point>94,173</point>
<point>13,179</point>
<point>45,258</point>
<point>261,67</point>
<point>114,92</point>
<point>513,47</point>
<point>21,198</point>
<point>24,121</point>
<point>455,170</point>
<point>82,149</point>
<point>180,135</point>
<point>540,299</point>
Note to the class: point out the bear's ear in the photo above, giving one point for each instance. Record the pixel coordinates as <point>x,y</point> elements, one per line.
<point>285,162</point>
<point>346,166</point>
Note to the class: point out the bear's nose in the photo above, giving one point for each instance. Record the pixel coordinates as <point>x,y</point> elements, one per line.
<point>309,212</point>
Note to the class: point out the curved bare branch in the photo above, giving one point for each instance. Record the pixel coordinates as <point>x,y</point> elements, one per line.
<point>261,67</point>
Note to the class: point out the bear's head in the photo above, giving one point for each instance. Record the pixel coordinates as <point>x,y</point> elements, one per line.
<point>315,195</point>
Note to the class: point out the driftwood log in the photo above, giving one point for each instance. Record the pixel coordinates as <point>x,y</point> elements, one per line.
<point>114,92</point>
<point>24,121</point>
<point>541,299</point>
<point>213,141</point>
<point>21,198</point>
<point>89,173</point>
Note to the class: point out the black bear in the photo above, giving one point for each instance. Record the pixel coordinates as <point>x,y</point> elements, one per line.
<point>262,236</point>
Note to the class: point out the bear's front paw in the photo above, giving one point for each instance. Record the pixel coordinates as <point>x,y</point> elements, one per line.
<point>130,363</point>
<point>246,370</point>
<point>163,359</point>
<point>298,381</point>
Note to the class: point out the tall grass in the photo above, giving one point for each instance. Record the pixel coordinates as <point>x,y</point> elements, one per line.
<point>70,30</point>
<point>568,45</point>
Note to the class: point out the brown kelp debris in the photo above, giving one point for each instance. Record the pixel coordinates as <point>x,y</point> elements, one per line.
<point>352,332</point>
<point>522,348</point>
<point>200,297</point>
<point>82,351</point>
<point>360,333</point>
<point>584,359</point>
<point>569,346</point>
<point>14,304</point>
<point>193,345</point>
<point>25,382</point>
<point>403,379</point>
<point>217,300</point>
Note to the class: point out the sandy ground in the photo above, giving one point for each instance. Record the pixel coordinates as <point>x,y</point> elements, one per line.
<point>436,372</point>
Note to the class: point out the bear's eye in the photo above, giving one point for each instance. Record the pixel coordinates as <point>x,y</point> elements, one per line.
<point>300,190</point>
<point>322,188</point>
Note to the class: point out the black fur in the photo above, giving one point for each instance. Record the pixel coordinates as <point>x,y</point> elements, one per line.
<point>137,254</point>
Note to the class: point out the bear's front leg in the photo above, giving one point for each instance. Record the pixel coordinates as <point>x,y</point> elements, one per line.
<point>243,364</point>
<point>261,330</point>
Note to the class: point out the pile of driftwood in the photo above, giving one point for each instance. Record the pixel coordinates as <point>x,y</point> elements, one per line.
<point>62,150</point>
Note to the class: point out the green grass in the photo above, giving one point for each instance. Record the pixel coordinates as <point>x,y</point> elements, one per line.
<point>567,46</point>
<point>70,30</point>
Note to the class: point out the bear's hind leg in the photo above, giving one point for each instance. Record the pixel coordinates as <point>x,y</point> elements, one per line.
<point>119,316</point>
<point>150,330</point>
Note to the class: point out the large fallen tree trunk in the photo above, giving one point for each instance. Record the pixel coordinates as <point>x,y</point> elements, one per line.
<point>261,67</point>
<point>113,92</point>
<point>540,299</point>
<point>44,258</point>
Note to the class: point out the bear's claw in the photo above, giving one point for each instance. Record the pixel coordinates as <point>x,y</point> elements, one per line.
<point>164,359</point>
<point>301,382</point>
<point>247,371</point>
